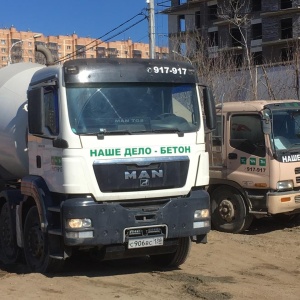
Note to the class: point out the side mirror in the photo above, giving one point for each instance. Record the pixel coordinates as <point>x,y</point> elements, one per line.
<point>266,123</point>
<point>209,108</point>
<point>36,119</point>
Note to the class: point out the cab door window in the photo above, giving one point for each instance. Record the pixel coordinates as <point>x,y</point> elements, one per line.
<point>246,134</point>
<point>51,110</point>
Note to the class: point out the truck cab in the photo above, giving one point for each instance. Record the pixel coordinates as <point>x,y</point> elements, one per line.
<point>116,163</point>
<point>254,162</point>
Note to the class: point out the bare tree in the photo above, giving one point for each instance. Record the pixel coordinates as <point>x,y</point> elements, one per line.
<point>237,14</point>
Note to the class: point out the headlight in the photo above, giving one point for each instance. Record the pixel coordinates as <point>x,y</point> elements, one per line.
<point>79,223</point>
<point>201,214</point>
<point>285,185</point>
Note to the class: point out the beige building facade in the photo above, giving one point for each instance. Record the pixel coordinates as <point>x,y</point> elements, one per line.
<point>19,46</point>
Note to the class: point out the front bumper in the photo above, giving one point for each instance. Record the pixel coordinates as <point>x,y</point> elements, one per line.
<point>283,202</point>
<point>111,220</point>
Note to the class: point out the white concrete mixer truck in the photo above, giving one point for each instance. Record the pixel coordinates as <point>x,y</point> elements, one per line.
<point>106,156</point>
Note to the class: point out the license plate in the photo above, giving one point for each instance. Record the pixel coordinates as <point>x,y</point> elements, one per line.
<point>145,242</point>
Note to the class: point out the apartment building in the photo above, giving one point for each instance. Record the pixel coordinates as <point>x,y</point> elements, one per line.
<point>268,29</point>
<point>19,46</point>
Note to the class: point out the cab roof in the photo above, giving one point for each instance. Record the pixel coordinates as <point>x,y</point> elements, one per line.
<point>255,105</point>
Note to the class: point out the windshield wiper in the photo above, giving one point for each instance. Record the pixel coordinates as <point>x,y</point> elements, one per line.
<point>168,130</point>
<point>116,132</point>
<point>128,132</point>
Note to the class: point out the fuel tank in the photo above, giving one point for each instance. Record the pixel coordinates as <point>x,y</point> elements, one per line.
<point>14,82</point>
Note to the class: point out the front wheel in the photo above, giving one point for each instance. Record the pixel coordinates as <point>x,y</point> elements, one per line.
<point>174,259</point>
<point>36,248</point>
<point>9,251</point>
<point>228,210</point>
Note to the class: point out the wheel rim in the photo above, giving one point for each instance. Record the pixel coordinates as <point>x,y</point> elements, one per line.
<point>227,210</point>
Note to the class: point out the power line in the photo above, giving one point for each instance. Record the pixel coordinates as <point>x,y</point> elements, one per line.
<point>73,54</point>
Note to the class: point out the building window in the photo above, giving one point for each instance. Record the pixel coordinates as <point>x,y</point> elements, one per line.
<point>213,12</point>
<point>137,54</point>
<point>286,28</point>
<point>112,52</point>
<point>256,5</point>
<point>101,52</point>
<point>80,51</point>
<point>68,47</point>
<point>213,38</point>
<point>236,37</point>
<point>3,50</point>
<point>181,23</point>
<point>257,58</point>
<point>284,4</point>
<point>287,54</point>
<point>197,20</point>
<point>3,42</point>
<point>256,31</point>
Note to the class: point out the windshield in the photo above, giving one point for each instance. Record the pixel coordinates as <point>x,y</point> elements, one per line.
<point>133,108</point>
<point>286,130</point>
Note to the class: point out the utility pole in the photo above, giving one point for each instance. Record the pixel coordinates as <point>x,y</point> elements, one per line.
<point>151,21</point>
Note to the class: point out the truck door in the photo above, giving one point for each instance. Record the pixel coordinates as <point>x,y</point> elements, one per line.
<point>246,151</point>
<point>49,158</point>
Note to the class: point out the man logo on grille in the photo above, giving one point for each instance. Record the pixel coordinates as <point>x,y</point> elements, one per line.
<point>144,174</point>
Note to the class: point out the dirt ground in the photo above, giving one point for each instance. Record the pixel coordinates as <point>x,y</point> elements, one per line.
<point>262,263</point>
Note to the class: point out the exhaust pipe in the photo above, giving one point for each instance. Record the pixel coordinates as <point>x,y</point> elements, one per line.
<point>47,53</point>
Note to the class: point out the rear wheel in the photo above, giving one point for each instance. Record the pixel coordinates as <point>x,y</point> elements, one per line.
<point>174,259</point>
<point>229,211</point>
<point>9,251</point>
<point>36,248</point>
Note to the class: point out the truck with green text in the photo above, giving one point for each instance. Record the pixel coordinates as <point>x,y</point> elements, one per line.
<point>112,162</point>
<point>254,163</point>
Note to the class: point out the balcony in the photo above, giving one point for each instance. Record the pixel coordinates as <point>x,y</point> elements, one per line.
<point>184,7</point>
<point>281,41</point>
<point>281,12</point>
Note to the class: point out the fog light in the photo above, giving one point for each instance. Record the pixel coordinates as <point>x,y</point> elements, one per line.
<point>80,235</point>
<point>79,223</point>
<point>201,224</point>
<point>201,214</point>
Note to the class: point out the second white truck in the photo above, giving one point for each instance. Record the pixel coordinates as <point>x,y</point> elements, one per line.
<point>254,162</point>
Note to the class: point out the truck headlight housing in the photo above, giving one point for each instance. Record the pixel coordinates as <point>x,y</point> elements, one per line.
<point>201,214</point>
<point>79,223</point>
<point>285,185</point>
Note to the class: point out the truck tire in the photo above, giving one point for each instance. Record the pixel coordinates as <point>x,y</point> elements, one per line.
<point>174,259</point>
<point>9,250</point>
<point>36,248</point>
<point>228,210</point>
